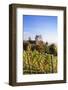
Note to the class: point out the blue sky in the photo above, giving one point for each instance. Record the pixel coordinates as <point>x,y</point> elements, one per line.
<point>46,26</point>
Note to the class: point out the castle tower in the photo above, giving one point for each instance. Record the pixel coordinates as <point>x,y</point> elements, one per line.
<point>38,38</point>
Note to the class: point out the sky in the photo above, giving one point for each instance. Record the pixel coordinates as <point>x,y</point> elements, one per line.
<point>46,26</point>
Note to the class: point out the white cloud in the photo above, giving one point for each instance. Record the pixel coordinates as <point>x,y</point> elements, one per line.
<point>27,35</point>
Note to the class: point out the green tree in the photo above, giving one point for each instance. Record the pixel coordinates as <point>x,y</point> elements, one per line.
<point>53,49</point>
<point>46,47</point>
<point>53,52</point>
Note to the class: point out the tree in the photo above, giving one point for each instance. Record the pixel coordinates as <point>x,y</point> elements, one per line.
<point>53,49</point>
<point>29,47</point>
<point>25,44</point>
<point>53,52</point>
<point>40,47</point>
<point>46,47</point>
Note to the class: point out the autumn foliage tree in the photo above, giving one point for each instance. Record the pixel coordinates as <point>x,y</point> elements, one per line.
<point>40,47</point>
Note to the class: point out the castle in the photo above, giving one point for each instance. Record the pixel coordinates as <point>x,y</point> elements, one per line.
<point>38,40</point>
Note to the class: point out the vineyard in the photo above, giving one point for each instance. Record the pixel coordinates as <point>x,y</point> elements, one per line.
<point>39,57</point>
<point>35,62</point>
